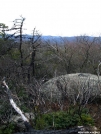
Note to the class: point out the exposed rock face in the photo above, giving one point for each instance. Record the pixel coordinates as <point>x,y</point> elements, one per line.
<point>72,86</point>
<point>75,130</point>
<point>18,120</point>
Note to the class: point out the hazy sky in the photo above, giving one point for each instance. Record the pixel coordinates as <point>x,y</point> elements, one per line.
<point>55,17</point>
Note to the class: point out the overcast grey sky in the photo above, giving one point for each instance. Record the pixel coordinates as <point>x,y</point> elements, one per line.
<point>55,17</point>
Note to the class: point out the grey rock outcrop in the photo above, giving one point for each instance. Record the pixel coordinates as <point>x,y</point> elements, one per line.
<point>75,130</point>
<point>74,86</point>
<point>18,120</point>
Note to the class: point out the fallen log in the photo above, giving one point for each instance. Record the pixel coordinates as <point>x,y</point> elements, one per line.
<point>17,109</point>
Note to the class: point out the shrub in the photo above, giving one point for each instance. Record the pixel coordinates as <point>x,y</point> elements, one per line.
<point>7,129</point>
<point>87,120</point>
<point>63,119</point>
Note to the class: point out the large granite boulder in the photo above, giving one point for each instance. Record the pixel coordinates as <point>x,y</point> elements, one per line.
<point>74,86</point>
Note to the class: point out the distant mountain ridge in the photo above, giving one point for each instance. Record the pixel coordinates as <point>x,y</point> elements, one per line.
<point>56,38</point>
<point>72,38</point>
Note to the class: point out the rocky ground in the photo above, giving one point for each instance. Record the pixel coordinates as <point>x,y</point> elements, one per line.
<point>75,130</point>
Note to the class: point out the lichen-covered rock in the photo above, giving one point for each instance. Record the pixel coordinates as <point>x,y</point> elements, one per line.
<point>72,86</point>
<point>18,120</point>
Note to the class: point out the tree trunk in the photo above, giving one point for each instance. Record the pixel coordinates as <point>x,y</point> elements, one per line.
<point>17,109</point>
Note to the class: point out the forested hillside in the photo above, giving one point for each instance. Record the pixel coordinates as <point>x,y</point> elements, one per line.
<point>28,64</point>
